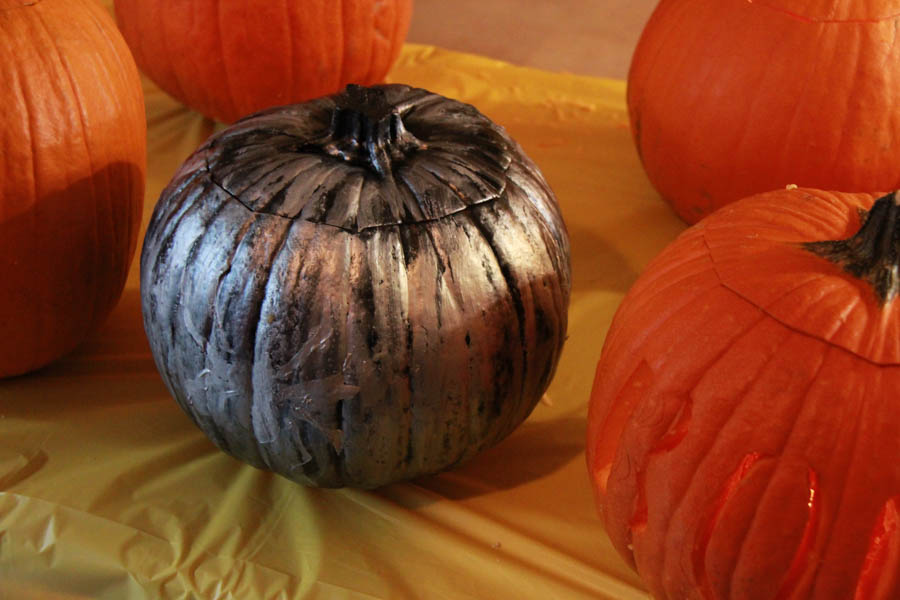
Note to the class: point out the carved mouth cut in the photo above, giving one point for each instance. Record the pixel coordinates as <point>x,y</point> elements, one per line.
<point>883,555</point>
<point>701,543</point>
<point>677,431</point>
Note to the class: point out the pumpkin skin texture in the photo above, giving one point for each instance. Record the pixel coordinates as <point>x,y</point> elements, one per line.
<point>229,59</point>
<point>744,425</point>
<point>729,99</point>
<point>359,289</point>
<point>73,148</point>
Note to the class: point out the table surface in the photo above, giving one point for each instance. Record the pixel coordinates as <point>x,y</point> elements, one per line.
<point>108,491</point>
<point>586,37</point>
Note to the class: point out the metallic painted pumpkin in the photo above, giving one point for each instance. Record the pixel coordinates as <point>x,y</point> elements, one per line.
<point>359,289</point>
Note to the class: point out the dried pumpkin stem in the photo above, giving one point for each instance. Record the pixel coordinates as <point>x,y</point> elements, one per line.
<point>872,253</point>
<point>367,130</point>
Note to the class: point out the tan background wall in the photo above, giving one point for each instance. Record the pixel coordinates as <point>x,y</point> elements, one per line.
<point>589,37</point>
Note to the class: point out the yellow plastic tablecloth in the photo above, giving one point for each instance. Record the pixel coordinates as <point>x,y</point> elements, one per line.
<point>107,490</point>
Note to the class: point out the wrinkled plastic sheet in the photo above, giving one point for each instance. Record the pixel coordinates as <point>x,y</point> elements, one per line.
<point>107,490</point>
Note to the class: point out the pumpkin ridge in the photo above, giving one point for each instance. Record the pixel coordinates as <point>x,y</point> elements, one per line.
<point>515,294</point>
<point>139,48</point>
<point>736,400</point>
<point>788,325</point>
<point>212,361</point>
<point>558,265</point>
<point>197,335</point>
<point>841,502</point>
<point>254,398</point>
<point>377,35</point>
<point>289,77</point>
<point>529,213</point>
<point>341,45</point>
<point>800,562</point>
<point>96,305</point>
<point>20,81</point>
<point>28,102</point>
<point>688,393</point>
<point>821,538</point>
<point>173,219</point>
<point>712,516</point>
<point>776,457</point>
<point>229,97</point>
<point>197,242</point>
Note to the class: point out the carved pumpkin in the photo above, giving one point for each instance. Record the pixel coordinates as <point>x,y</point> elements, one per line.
<point>73,148</point>
<point>229,59</point>
<point>744,426</point>
<point>359,289</point>
<point>729,99</point>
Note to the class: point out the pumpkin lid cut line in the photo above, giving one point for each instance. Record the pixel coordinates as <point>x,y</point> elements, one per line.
<point>823,19</point>
<point>370,228</point>
<point>6,5</point>
<point>360,167</point>
<point>767,290</point>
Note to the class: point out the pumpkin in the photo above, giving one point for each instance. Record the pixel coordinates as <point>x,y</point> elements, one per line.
<point>229,59</point>
<point>358,289</point>
<point>730,99</point>
<point>744,425</point>
<point>73,159</point>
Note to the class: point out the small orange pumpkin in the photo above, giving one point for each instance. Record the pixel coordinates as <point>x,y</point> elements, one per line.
<point>744,426</point>
<point>73,138</point>
<point>230,59</point>
<point>729,99</point>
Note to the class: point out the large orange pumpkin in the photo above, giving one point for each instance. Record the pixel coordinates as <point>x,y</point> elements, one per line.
<point>72,164</point>
<point>744,426</point>
<point>729,98</point>
<point>229,59</point>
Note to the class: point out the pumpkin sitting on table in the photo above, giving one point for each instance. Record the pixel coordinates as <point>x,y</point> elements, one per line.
<point>229,59</point>
<point>732,98</point>
<point>73,144</point>
<point>359,289</point>
<point>744,426</point>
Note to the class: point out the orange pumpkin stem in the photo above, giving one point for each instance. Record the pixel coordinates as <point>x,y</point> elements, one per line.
<point>367,130</point>
<point>872,253</point>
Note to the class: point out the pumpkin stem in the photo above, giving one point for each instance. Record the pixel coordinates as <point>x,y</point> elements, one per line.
<point>367,130</point>
<point>872,253</point>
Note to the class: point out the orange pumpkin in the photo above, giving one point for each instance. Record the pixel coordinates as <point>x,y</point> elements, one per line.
<point>230,59</point>
<point>729,99</point>
<point>73,147</point>
<point>744,426</point>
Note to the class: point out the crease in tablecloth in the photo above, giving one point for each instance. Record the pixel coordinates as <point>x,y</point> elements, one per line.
<point>107,490</point>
